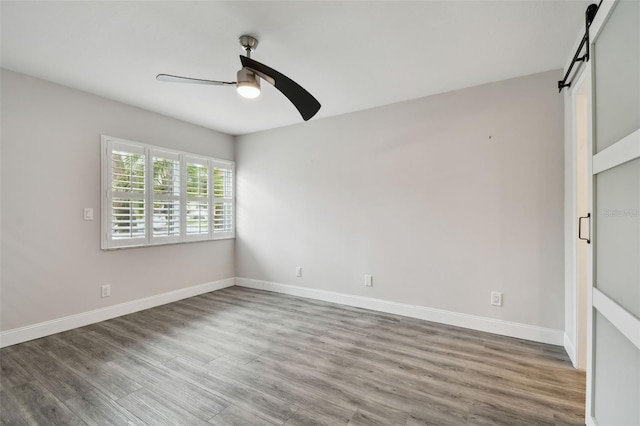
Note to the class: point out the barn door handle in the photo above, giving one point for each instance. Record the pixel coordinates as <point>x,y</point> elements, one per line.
<point>588,239</point>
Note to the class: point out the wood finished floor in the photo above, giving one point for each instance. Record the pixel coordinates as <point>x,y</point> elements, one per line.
<point>248,357</point>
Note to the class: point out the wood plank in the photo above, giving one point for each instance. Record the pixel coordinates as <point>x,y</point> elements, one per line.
<point>97,409</point>
<point>333,409</point>
<point>12,373</point>
<point>11,413</point>
<point>194,399</point>
<point>154,409</point>
<point>316,417</point>
<point>240,416</point>
<point>270,407</point>
<point>49,372</point>
<point>129,345</point>
<point>95,371</point>
<point>37,404</point>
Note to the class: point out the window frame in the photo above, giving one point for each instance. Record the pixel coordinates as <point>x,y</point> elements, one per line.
<point>110,144</point>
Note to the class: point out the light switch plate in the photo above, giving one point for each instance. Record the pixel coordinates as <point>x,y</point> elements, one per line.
<point>88,213</point>
<point>496,298</point>
<point>368,281</point>
<point>105,290</point>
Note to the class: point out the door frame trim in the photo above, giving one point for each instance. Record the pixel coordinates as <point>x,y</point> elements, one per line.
<point>572,345</point>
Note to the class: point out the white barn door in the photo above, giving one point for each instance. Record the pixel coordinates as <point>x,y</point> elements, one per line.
<point>613,365</point>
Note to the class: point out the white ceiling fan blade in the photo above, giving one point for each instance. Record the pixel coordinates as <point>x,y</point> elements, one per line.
<point>177,79</point>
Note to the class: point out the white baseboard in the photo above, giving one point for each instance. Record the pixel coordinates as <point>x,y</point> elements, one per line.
<point>35,331</point>
<point>491,325</point>
<point>571,350</point>
<point>591,421</point>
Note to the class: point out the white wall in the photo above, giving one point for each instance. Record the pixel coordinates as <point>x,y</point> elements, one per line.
<point>441,199</point>
<point>52,265</point>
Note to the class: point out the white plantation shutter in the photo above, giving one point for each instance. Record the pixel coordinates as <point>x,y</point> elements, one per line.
<point>196,189</point>
<point>166,189</point>
<point>154,195</point>
<point>223,199</point>
<point>126,220</point>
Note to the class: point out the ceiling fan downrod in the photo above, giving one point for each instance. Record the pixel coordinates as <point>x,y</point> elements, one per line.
<point>249,44</point>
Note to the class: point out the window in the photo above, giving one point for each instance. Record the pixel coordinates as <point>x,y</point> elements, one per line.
<point>153,195</point>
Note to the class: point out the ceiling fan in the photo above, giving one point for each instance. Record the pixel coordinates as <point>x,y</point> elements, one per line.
<point>248,84</point>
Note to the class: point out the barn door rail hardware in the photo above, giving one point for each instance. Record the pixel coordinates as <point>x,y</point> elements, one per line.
<point>589,15</point>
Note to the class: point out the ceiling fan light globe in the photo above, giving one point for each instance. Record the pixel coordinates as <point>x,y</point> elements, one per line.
<point>247,90</point>
<point>248,85</point>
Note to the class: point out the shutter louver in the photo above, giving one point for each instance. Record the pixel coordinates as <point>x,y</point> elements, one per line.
<point>127,196</point>
<point>223,215</point>
<point>127,218</point>
<point>166,197</point>
<point>222,218</point>
<point>197,199</point>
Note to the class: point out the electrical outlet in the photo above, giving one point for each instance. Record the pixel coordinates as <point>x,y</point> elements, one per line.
<point>368,281</point>
<point>298,271</point>
<point>106,290</point>
<point>496,298</point>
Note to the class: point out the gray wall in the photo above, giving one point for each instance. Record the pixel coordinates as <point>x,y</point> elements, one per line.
<point>52,265</point>
<point>441,199</point>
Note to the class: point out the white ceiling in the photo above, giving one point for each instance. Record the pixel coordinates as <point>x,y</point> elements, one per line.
<point>349,55</point>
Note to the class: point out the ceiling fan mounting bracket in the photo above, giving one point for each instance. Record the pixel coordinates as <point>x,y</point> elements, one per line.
<point>248,43</point>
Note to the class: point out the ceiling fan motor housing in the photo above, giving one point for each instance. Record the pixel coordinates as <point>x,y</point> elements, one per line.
<point>248,84</point>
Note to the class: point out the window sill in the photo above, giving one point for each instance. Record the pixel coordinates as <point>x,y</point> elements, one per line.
<point>165,244</point>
